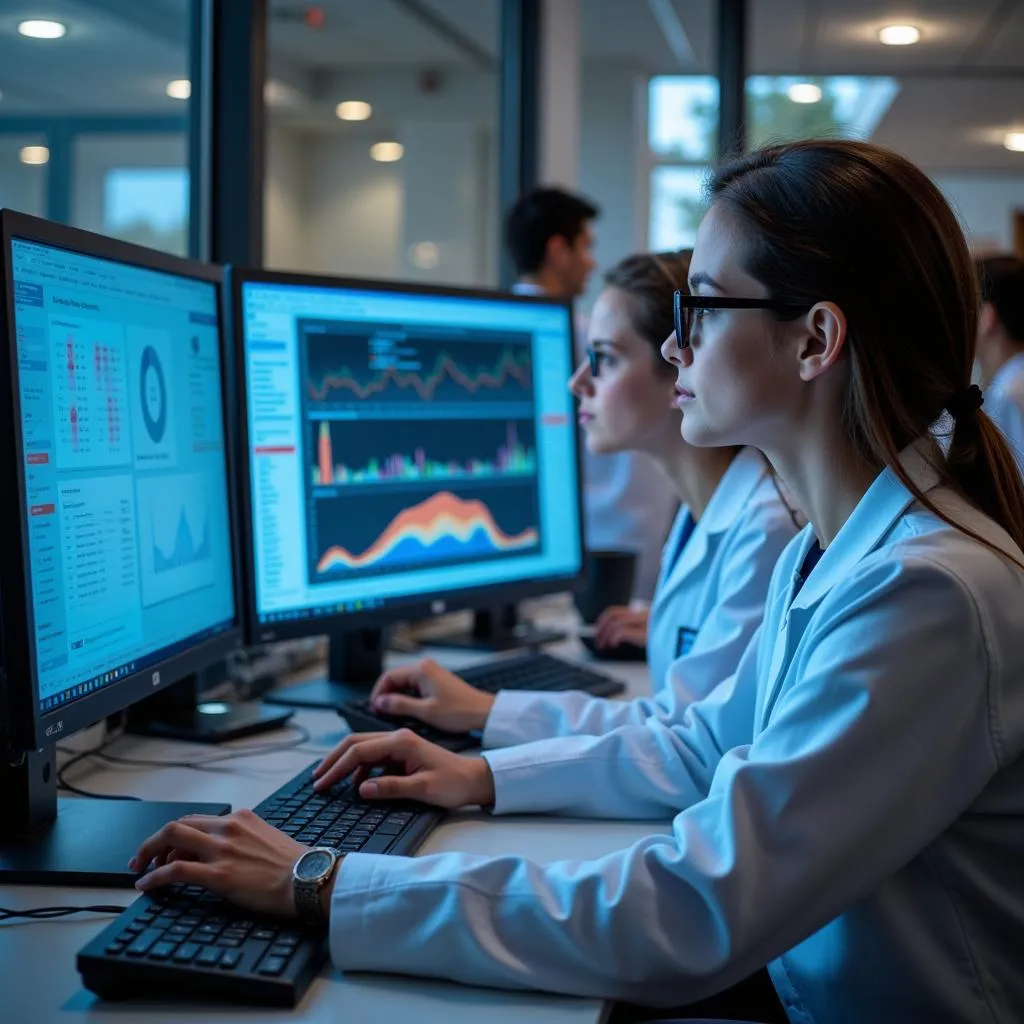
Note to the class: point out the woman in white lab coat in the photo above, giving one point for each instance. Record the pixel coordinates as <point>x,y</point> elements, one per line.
<point>849,807</point>
<point>732,525</point>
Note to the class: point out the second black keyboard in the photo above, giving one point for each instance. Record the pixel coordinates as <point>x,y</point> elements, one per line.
<point>185,942</point>
<point>534,671</point>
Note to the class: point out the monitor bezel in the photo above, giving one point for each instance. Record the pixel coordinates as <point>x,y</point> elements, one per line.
<point>417,605</point>
<point>24,725</point>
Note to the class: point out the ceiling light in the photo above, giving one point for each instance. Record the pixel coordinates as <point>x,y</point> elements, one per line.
<point>34,155</point>
<point>899,35</point>
<point>353,110</point>
<point>40,29</point>
<point>805,92</point>
<point>179,89</point>
<point>387,152</point>
<point>1014,142</point>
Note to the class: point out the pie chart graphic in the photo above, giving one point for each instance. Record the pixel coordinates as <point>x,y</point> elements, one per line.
<point>153,394</point>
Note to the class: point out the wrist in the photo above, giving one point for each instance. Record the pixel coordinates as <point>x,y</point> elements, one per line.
<point>327,891</point>
<point>483,710</point>
<point>483,783</point>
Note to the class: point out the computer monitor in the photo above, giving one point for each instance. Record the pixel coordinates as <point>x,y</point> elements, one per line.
<point>118,575</point>
<point>408,450</point>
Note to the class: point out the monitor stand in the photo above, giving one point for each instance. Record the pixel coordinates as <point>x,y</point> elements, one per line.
<point>74,842</point>
<point>355,661</point>
<point>497,629</point>
<point>178,712</point>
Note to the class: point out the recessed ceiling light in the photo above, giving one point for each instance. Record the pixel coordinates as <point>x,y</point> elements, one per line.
<point>34,155</point>
<point>37,28</point>
<point>1014,142</point>
<point>805,92</point>
<point>899,35</point>
<point>387,152</point>
<point>353,110</point>
<point>179,89</point>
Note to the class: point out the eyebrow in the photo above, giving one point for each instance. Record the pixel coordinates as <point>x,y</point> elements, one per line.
<point>706,279</point>
<point>602,343</point>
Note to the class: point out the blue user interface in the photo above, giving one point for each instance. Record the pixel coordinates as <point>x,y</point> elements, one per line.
<point>123,449</point>
<point>405,443</point>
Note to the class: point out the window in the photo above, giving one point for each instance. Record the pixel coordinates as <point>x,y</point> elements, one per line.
<point>382,141</point>
<point>94,122</point>
<point>682,140</point>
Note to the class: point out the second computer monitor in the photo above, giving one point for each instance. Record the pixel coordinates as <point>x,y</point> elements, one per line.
<point>407,448</point>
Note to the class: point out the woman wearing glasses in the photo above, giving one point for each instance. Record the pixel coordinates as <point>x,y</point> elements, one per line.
<point>731,528</point>
<point>849,808</point>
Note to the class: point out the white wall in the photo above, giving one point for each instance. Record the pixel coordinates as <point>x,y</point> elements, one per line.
<point>986,204</point>
<point>613,163</point>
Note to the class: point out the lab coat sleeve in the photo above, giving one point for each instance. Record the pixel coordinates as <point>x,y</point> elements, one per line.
<point>522,717</point>
<point>879,744</point>
<point>648,771</point>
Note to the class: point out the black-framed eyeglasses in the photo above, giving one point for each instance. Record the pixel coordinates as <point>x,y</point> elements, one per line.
<point>687,309</point>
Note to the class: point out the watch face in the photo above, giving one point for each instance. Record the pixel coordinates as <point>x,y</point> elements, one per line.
<point>313,864</point>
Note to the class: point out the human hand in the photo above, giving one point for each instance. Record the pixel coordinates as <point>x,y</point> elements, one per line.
<point>431,774</point>
<point>429,693</point>
<point>619,624</point>
<point>238,856</point>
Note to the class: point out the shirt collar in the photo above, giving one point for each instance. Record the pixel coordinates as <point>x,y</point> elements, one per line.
<point>527,288</point>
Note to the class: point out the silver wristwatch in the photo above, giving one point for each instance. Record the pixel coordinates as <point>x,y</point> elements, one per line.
<point>312,871</point>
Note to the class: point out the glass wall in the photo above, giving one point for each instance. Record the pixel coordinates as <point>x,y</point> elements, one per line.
<point>943,84</point>
<point>94,116</point>
<point>382,140</point>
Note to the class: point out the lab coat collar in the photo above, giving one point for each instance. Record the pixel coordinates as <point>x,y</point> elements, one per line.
<point>877,511</point>
<point>1007,372</point>
<point>734,490</point>
<point>732,494</point>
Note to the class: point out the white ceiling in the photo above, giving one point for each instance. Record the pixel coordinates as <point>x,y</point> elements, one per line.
<point>961,87</point>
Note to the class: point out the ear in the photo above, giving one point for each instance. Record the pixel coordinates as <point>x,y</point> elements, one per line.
<point>988,319</point>
<point>556,250</point>
<point>824,339</point>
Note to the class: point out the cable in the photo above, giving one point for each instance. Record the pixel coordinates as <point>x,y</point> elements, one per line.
<point>46,913</point>
<point>62,783</point>
<point>212,763</point>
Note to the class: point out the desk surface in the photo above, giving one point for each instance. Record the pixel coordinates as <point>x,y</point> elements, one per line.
<point>41,985</point>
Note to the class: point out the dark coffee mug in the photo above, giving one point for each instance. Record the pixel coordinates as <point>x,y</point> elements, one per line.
<point>610,577</point>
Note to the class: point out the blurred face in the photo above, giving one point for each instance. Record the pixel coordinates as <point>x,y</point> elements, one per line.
<point>628,405</point>
<point>573,263</point>
<point>737,384</point>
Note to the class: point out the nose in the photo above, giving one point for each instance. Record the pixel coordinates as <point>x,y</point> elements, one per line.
<point>671,352</point>
<point>581,383</point>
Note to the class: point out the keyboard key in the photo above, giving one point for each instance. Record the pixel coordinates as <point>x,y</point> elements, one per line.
<point>377,843</point>
<point>264,934</point>
<point>272,965</point>
<point>291,939</point>
<point>230,959</point>
<point>162,951</point>
<point>209,956</point>
<point>281,949</point>
<point>114,949</point>
<point>390,828</point>
<point>179,931</point>
<point>144,942</point>
<point>185,953</point>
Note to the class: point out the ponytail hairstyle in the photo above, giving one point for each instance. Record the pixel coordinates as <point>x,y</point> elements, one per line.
<point>858,225</point>
<point>649,280</point>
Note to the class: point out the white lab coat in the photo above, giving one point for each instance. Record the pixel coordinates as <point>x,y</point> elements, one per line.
<point>849,809</point>
<point>707,607</point>
<point>627,501</point>
<point>1004,402</point>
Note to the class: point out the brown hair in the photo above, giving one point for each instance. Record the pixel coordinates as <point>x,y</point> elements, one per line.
<point>649,279</point>
<point>860,226</point>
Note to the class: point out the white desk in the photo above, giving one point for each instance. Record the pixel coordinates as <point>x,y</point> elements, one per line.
<point>37,959</point>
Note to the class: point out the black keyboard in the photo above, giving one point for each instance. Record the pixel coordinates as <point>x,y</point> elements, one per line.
<point>186,943</point>
<point>534,671</point>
